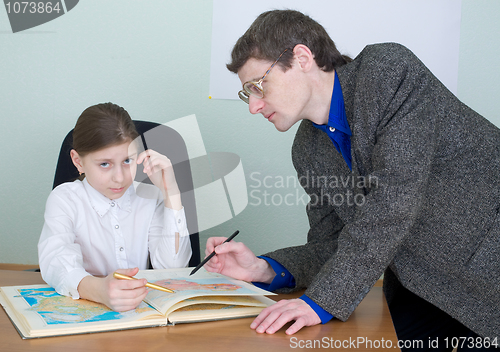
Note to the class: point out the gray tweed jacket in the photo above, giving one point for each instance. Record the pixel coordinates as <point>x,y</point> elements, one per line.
<point>421,203</point>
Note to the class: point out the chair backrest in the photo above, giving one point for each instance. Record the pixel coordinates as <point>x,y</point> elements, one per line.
<point>164,140</point>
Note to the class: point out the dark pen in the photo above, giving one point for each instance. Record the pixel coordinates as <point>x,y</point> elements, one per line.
<point>204,261</point>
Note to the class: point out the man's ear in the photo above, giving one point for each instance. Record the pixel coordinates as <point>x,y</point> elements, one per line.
<point>77,161</point>
<point>304,57</point>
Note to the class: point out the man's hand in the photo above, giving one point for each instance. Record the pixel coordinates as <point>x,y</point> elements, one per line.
<point>274,317</point>
<point>236,260</point>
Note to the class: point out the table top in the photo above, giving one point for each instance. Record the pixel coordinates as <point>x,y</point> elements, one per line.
<point>369,328</point>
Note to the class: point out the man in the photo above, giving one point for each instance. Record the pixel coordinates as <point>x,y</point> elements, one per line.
<point>423,178</point>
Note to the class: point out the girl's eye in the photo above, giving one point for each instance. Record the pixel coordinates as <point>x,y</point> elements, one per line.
<point>128,161</point>
<point>105,165</point>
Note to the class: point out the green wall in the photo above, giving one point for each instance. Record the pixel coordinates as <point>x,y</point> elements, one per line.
<point>153,58</point>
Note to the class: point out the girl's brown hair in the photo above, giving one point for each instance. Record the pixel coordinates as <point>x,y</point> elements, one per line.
<point>100,126</point>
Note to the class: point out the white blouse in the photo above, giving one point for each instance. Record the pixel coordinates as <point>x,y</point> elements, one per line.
<point>85,233</point>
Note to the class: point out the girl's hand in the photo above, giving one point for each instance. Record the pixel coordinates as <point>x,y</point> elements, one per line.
<point>119,295</point>
<point>161,172</point>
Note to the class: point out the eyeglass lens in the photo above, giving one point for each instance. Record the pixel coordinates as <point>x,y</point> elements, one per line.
<point>253,89</point>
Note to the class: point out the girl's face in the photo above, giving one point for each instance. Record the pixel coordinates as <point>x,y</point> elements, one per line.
<point>110,170</point>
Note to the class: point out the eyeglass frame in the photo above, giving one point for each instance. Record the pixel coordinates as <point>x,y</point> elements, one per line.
<point>245,93</point>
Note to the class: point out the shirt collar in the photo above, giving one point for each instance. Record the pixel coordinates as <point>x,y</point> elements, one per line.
<point>337,128</point>
<point>336,116</point>
<point>102,204</point>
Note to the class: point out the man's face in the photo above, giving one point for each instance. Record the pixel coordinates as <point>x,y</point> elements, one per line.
<point>285,93</point>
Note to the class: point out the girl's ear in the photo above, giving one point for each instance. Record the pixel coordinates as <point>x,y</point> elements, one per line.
<point>77,161</point>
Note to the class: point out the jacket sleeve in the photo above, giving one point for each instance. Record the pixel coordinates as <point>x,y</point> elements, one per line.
<point>304,262</point>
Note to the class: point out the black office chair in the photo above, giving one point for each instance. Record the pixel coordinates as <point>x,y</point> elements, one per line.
<point>164,140</point>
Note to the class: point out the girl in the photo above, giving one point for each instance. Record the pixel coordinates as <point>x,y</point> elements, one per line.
<point>100,225</point>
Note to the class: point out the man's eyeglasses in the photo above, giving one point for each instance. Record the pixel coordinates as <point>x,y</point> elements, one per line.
<point>254,88</point>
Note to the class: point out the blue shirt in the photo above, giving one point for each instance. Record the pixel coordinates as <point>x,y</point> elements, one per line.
<point>337,127</point>
<point>339,132</point>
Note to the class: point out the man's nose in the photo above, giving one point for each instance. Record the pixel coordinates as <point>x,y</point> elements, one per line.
<point>255,105</point>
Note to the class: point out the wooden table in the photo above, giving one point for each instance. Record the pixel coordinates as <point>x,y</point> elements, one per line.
<point>369,326</point>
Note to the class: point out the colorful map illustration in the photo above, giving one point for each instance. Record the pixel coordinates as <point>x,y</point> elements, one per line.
<point>57,309</point>
<point>188,287</point>
<point>51,309</point>
<point>185,285</point>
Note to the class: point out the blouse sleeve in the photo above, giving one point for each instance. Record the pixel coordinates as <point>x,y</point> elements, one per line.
<point>60,258</point>
<point>166,223</point>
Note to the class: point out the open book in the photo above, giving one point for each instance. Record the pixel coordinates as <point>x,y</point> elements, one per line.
<point>39,311</point>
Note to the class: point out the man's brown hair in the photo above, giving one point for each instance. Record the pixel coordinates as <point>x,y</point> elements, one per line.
<point>274,31</point>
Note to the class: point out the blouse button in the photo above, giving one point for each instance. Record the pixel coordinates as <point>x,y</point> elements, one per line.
<point>113,204</point>
<point>117,226</point>
<point>121,249</point>
<point>332,129</point>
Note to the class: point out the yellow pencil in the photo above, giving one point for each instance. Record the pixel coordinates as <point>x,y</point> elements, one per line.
<point>150,285</point>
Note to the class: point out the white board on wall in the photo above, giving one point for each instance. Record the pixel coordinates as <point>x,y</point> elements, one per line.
<point>430,28</point>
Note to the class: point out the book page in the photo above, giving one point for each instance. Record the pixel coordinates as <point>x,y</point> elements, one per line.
<point>198,303</point>
<point>211,311</point>
<point>41,311</point>
<point>203,283</point>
